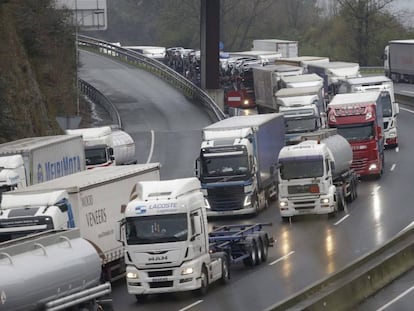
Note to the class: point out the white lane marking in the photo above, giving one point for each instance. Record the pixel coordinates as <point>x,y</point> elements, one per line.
<point>395,299</point>
<point>341,220</point>
<point>152,146</point>
<point>397,149</point>
<point>392,167</point>
<point>408,110</point>
<point>192,305</point>
<point>281,258</point>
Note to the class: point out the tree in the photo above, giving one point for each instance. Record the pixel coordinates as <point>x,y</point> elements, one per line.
<point>359,16</point>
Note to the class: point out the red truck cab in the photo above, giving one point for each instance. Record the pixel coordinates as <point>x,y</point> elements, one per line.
<point>358,118</point>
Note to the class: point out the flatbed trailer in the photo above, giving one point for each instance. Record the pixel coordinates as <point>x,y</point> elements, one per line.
<point>246,243</point>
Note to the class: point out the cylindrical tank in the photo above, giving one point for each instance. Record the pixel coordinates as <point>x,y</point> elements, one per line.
<point>341,152</point>
<point>38,273</point>
<point>124,147</point>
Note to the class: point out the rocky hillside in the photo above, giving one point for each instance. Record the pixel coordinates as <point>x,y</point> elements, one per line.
<point>37,68</point>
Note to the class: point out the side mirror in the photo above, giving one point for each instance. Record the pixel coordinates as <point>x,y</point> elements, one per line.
<point>379,131</point>
<point>197,167</point>
<point>118,227</point>
<point>397,108</point>
<point>197,225</point>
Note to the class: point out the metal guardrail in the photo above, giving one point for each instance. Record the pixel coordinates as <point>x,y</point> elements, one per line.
<point>362,278</point>
<point>189,89</point>
<point>100,99</point>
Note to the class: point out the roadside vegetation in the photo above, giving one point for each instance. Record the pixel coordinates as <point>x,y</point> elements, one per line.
<point>38,55</point>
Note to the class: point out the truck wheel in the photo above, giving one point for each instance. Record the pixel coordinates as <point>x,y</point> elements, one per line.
<point>260,247</point>
<point>285,219</point>
<point>252,250</point>
<point>225,268</point>
<point>265,246</point>
<point>204,283</point>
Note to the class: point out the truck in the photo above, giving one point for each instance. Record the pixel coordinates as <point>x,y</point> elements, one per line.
<point>301,61</point>
<point>332,72</point>
<point>287,48</point>
<point>399,60</point>
<point>266,56</point>
<point>12,173</point>
<point>390,108</point>
<point>237,163</point>
<point>33,160</point>
<point>315,175</point>
<point>303,80</point>
<point>358,118</point>
<point>91,200</point>
<point>267,80</point>
<point>52,270</point>
<point>105,146</point>
<point>303,109</point>
<point>167,244</point>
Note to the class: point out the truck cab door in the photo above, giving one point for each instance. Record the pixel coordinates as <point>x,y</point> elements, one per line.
<point>197,240</point>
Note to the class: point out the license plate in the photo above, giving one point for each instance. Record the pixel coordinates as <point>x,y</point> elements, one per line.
<point>159,279</point>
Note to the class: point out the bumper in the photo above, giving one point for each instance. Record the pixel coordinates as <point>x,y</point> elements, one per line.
<point>165,284</point>
<point>391,141</point>
<point>305,206</point>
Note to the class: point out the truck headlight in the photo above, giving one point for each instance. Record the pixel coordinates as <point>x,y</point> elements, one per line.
<point>283,203</point>
<point>247,200</point>
<point>187,271</point>
<point>372,167</point>
<point>325,201</point>
<point>132,275</point>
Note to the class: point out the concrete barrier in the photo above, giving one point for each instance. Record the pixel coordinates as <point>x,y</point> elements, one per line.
<point>362,278</point>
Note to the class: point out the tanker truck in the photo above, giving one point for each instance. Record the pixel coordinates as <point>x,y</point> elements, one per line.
<point>315,176</point>
<point>52,270</point>
<point>106,145</point>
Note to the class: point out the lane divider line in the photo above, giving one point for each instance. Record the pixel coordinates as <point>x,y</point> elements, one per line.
<point>281,258</point>
<point>395,299</point>
<point>341,220</point>
<point>192,305</point>
<point>408,110</point>
<point>392,167</point>
<point>152,146</point>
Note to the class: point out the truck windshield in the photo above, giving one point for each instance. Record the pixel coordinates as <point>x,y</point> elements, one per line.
<point>95,156</point>
<point>303,168</point>
<point>293,125</point>
<point>156,229</point>
<point>225,165</point>
<point>357,132</point>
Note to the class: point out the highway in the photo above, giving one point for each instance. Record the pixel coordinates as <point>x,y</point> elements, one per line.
<point>167,129</point>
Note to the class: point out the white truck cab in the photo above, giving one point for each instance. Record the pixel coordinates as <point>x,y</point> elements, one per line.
<point>167,244</point>
<point>166,240</point>
<point>48,210</point>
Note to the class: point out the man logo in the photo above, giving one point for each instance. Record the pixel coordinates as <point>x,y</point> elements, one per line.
<point>158,258</point>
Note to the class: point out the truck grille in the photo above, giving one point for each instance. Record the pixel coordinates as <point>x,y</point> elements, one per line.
<point>304,205</point>
<point>154,274</point>
<point>359,165</point>
<point>160,284</point>
<point>226,198</point>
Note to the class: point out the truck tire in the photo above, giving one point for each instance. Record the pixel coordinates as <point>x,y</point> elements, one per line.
<point>225,268</point>
<point>204,282</point>
<point>255,204</point>
<point>251,248</point>
<point>262,246</point>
